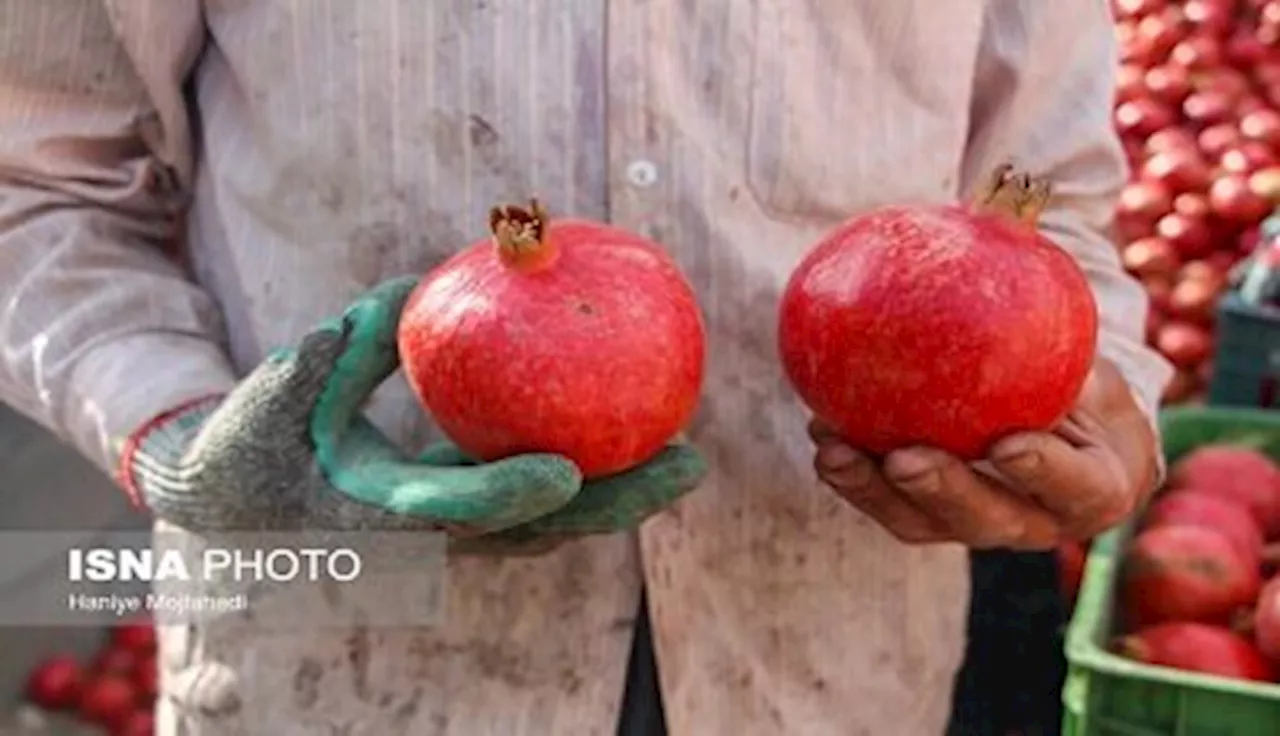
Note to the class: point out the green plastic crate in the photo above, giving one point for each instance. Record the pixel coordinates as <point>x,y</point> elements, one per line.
<point>1246,364</point>
<point>1107,695</point>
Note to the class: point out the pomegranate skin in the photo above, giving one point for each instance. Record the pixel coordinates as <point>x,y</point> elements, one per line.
<point>1191,507</point>
<point>1186,573</point>
<point>1195,647</point>
<point>1072,557</point>
<point>937,326</point>
<point>1239,474</point>
<point>1266,620</point>
<point>598,356</point>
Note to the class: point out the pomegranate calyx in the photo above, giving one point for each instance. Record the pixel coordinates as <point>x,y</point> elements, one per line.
<point>520,235</point>
<point>1014,194</point>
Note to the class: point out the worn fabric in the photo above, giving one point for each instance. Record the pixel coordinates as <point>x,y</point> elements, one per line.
<point>186,185</point>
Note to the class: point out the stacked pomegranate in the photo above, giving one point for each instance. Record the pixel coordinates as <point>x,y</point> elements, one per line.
<point>115,691</point>
<point>1194,591</point>
<point>1198,109</point>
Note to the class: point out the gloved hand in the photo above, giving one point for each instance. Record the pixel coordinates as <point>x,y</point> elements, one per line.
<point>289,449</point>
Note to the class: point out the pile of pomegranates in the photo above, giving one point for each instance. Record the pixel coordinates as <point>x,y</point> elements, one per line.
<point>1198,109</point>
<point>115,691</point>
<point>1198,588</point>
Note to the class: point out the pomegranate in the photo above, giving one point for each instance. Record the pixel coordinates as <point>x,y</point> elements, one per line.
<point>1218,139</point>
<point>1266,620</point>
<point>139,723</point>
<point>1071,560</point>
<point>1184,344</point>
<point>1195,647</point>
<point>1266,183</point>
<point>1143,116</point>
<point>1181,387</point>
<point>1190,236</point>
<point>1170,140</point>
<point>1240,474</point>
<point>1160,293</point>
<point>1141,204</point>
<point>1191,507</point>
<point>108,701</point>
<point>950,326</point>
<point>115,659</point>
<point>1168,83</point>
<point>146,677</point>
<point>56,682</point>
<point>1246,158</point>
<point>1151,257</point>
<point>1234,201</point>
<point>1187,573</point>
<point>1194,300</point>
<point>562,336</point>
<point>1208,107</point>
<point>1178,170</point>
<point>136,636</point>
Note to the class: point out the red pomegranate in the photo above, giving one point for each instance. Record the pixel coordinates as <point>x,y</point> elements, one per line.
<point>108,700</point>
<point>1072,557</point>
<point>139,723</point>
<point>56,683</point>
<point>136,636</point>
<point>1195,647</point>
<point>1186,573</point>
<point>1240,474</point>
<point>1191,507</point>
<point>563,336</point>
<point>948,326</point>
<point>1266,620</point>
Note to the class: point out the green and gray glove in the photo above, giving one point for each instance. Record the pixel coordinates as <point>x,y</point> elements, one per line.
<point>288,448</point>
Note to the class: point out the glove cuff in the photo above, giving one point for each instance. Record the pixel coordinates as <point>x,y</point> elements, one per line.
<point>152,454</point>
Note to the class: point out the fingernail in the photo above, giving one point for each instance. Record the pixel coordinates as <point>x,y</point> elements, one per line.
<point>914,470</point>
<point>836,457</point>
<point>1017,456</point>
<point>912,462</point>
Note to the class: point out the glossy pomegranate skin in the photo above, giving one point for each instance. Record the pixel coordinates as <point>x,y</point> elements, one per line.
<point>938,326</point>
<point>1186,573</point>
<point>598,357</point>
<point>1266,621</point>
<point>1191,507</point>
<point>1195,647</point>
<point>1240,474</point>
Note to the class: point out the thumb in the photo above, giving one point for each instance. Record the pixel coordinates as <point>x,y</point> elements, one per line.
<point>368,357</point>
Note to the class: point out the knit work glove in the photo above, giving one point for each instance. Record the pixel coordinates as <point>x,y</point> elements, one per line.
<point>289,449</point>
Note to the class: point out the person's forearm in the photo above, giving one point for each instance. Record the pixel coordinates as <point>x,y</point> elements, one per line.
<point>99,330</point>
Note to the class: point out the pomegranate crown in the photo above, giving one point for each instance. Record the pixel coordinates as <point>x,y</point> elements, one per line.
<point>1012,193</point>
<point>517,229</point>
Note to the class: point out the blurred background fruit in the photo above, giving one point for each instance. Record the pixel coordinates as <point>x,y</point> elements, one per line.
<point>1198,110</point>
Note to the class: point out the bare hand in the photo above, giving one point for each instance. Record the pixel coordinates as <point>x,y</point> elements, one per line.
<point>1035,489</point>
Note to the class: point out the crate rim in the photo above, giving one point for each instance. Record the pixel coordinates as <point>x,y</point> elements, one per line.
<point>1095,600</point>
